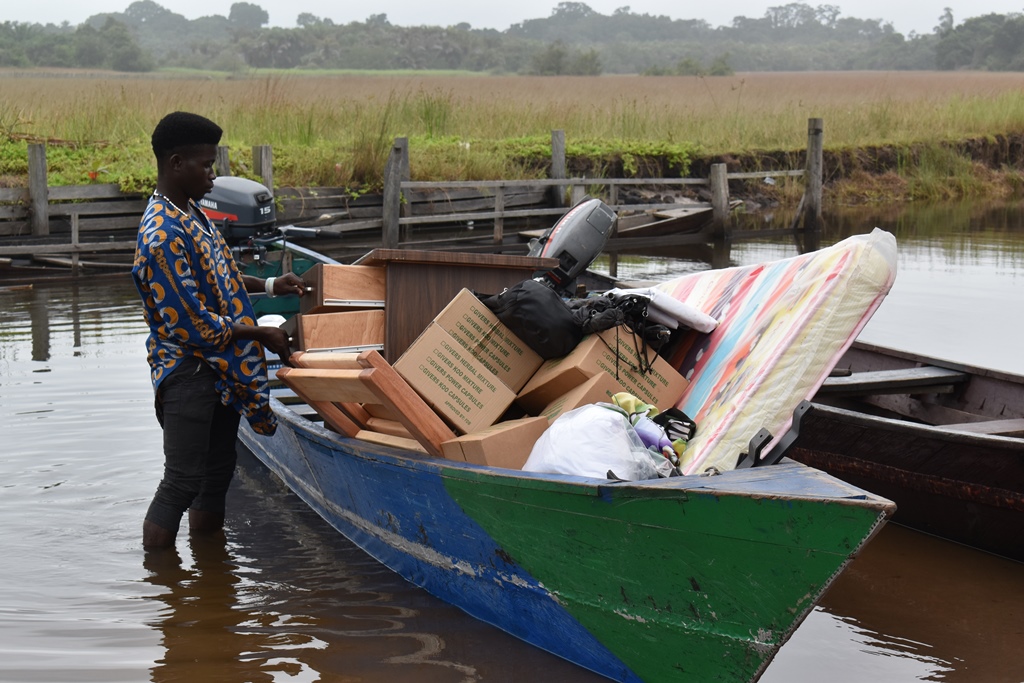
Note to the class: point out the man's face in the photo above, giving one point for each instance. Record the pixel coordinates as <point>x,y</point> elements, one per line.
<point>193,170</point>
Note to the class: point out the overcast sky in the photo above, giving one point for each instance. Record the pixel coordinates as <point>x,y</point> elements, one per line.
<point>920,16</point>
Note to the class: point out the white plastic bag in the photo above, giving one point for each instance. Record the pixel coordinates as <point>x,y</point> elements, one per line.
<point>590,441</point>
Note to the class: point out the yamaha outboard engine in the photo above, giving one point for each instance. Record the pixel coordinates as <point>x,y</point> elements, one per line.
<point>243,210</point>
<point>575,240</point>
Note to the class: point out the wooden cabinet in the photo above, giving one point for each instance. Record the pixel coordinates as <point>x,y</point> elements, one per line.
<point>419,284</point>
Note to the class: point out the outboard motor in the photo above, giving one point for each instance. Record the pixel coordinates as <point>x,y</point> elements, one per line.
<point>243,210</point>
<point>575,240</point>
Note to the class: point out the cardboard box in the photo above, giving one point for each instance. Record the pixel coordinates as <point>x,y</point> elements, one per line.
<point>506,444</point>
<point>341,330</point>
<point>613,354</point>
<point>479,331</point>
<point>455,384</point>
<point>468,365</point>
<point>336,287</point>
<point>598,389</point>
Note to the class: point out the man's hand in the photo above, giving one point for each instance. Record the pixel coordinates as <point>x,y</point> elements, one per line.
<point>273,338</point>
<point>289,283</point>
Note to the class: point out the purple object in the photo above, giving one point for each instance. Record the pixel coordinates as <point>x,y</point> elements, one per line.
<point>651,434</point>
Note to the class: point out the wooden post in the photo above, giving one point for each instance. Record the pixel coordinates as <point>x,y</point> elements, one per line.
<point>719,182</point>
<point>558,166</point>
<point>613,194</point>
<point>401,146</point>
<point>38,192</point>
<point>396,167</point>
<point>39,314</point>
<point>499,219</point>
<point>223,160</point>
<point>263,165</point>
<point>576,194</point>
<point>815,153</point>
<point>613,264</point>
<point>721,249</point>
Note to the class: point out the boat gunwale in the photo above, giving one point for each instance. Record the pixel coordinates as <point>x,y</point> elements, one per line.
<point>869,421</point>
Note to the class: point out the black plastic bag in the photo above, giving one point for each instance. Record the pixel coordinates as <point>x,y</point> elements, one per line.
<point>538,316</point>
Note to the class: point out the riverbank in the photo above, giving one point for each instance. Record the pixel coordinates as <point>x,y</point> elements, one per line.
<point>978,168</point>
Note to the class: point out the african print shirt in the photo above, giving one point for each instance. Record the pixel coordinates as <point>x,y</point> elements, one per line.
<point>191,293</point>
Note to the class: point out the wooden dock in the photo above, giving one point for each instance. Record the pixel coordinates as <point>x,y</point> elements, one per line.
<point>82,223</point>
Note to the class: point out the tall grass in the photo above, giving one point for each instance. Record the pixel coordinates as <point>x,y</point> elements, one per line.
<point>337,129</point>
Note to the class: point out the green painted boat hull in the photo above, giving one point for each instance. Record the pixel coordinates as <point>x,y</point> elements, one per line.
<point>698,583</point>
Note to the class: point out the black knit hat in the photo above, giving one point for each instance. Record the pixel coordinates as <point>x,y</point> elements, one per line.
<point>182,129</point>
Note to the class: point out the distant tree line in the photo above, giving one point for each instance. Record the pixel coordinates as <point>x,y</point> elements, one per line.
<point>575,39</point>
<point>110,45</point>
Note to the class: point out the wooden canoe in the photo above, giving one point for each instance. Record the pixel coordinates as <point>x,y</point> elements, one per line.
<point>688,578</point>
<point>941,439</point>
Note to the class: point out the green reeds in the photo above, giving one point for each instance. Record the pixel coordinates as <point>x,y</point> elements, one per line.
<point>337,129</point>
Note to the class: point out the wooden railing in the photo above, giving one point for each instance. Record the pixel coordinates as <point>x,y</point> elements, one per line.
<point>100,217</point>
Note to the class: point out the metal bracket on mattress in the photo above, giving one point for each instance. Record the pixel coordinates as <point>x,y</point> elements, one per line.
<point>752,458</point>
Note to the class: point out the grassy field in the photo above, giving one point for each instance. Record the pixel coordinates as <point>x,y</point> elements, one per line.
<point>336,129</point>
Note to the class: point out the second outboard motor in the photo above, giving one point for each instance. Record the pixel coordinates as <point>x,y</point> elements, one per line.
<point>575,240</point>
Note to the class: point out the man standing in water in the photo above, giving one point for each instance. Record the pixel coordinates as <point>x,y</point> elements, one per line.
<point>205,349</point>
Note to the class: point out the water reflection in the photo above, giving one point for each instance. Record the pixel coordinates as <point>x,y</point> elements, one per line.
<point>282,596</point>
<point>201,625</point>
<point>850,653</point>
<point>230,616</point>
<point>39,313</point>
<point>956,609</point>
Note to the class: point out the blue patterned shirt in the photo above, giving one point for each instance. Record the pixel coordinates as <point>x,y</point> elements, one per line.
<point>192,292</point>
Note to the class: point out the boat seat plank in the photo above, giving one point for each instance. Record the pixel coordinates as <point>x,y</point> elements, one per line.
<point>925,412</point>
<point>923,379</point>
<point>1008,427</point>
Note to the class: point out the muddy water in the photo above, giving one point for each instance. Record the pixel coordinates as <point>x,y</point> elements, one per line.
<point>285,598</point>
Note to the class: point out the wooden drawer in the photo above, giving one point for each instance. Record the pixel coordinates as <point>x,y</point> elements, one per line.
<point>341,287</point>
<point>346,329</point>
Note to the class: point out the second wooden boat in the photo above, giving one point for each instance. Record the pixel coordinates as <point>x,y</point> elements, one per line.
<point>941,439</point>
